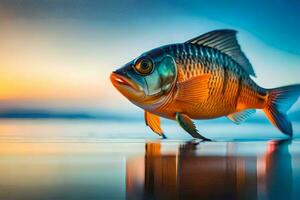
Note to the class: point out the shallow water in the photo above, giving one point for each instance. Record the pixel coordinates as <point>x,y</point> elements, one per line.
<point>77,160</point>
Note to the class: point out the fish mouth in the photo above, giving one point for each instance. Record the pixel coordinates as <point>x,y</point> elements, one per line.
<point>119,80</point>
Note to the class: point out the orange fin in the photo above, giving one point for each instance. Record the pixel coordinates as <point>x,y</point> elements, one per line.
<point>194,90</point>
<point>241,116</point>
<point>153,122</point>
<point>279,102</point>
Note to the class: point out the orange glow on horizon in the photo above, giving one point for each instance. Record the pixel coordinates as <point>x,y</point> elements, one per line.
<point>40,63</point>
<point>18,87</point>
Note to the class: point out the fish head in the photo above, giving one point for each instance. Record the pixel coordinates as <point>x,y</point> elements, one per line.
<point>147,78</point>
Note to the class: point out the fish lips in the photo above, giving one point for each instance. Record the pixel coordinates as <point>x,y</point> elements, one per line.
<point>121,81</point>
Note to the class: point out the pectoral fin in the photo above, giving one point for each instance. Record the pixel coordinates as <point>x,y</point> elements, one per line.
<point>194,90</point>
<point>188,125</point>
<point>153,122</point>
<point>241,116</point>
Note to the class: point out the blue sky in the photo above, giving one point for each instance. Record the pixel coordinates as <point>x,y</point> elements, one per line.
<point>58,54</point>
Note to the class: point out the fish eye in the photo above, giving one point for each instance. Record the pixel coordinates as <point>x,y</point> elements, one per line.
<point>143,66</point>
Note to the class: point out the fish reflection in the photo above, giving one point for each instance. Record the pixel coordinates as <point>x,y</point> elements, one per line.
<point>278,170</point>
<point>188,174</point>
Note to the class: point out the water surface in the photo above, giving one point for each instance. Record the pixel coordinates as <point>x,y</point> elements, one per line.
<point>76,160</point>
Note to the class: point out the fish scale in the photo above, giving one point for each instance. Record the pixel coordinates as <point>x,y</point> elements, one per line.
<point>206,77</point>
<point>209,61</point>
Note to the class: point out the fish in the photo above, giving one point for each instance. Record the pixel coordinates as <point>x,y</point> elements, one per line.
<point>206,77</point>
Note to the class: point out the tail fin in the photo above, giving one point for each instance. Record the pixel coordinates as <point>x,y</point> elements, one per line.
<point>279,102</point>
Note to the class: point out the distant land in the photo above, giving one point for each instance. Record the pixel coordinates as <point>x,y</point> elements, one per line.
<point>100,115</point>
<point>46,114</point>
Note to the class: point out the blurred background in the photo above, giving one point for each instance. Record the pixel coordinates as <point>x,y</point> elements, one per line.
<point>66,133</point>
<point>56,56</point>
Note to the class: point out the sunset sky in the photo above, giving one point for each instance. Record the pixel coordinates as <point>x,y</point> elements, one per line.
<point>57,55</point>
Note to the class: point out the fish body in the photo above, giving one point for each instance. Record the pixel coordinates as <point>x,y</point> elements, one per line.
<point>229,87</point>
<point>204,78</point>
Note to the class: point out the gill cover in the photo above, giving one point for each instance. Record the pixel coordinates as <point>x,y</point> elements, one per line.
<point>162,78</point>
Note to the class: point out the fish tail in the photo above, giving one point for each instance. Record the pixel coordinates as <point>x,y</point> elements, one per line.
<point>279,101</point>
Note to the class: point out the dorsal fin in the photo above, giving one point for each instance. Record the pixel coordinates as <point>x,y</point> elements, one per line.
<point>226,42</point>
